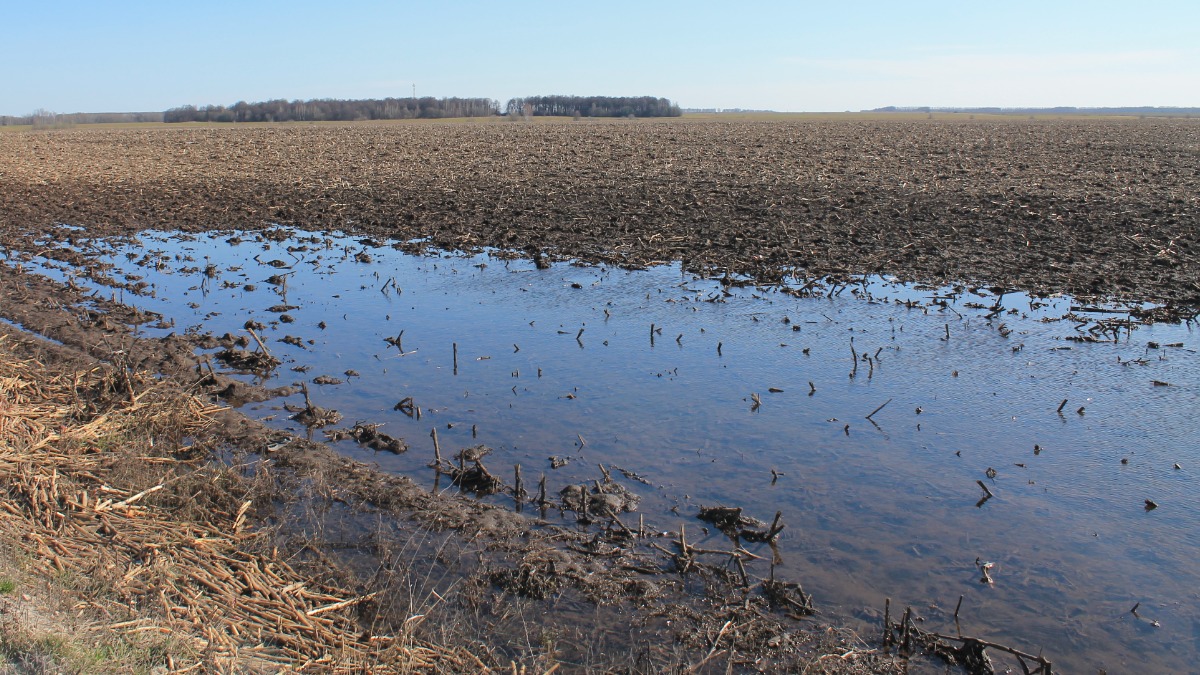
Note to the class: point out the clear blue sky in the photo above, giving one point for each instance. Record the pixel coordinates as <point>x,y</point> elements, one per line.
<point>71,56</point>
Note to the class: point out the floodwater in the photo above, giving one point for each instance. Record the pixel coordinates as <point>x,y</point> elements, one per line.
<point>564,362</point>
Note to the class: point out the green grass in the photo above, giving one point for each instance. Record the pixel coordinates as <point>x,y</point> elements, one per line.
<point>7,586</point>
<point>61,652</point>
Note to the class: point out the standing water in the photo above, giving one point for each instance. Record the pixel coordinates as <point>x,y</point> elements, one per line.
<point>877,417</point>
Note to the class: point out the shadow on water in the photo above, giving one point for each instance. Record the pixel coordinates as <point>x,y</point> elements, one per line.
<point>876,416</point>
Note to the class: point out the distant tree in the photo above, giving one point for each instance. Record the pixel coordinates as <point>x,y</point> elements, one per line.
<point>186,113</point>
<point>595,106</point>
<point>46,119</point>
<point>319,110</point>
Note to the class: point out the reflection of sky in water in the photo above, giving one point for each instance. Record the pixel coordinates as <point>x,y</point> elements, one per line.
<point>885,509</point>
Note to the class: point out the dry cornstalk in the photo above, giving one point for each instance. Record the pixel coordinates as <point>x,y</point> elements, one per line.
<point>197,579</point>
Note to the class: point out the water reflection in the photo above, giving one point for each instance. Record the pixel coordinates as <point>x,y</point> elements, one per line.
<point>721,394</point>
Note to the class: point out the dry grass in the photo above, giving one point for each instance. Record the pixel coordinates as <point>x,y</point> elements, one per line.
<point>114,569</point>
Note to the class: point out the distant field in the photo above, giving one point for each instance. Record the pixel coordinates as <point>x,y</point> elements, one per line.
<point>1087,205</point>
<point>914,116</point>
<point>690,117</point>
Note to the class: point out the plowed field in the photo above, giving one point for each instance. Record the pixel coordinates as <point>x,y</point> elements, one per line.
<point>1091,207</point>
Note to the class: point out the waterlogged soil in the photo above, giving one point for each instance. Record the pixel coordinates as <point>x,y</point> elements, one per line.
<point>652,397</point>
<point>441,564</point>
<point>559,584</point>
<point>919,443</point>
<point>1089,207</point>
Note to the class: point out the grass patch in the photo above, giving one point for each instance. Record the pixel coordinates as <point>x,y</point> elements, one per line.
<point>7,586</point>
<point>26,651</point>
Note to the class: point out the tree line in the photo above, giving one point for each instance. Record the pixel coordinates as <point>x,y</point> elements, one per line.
<point>47,119</point>
<point>593,106</point>
<point>1059,110</point>
<point>333,110</point>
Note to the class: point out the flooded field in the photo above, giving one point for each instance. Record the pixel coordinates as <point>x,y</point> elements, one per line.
<point>1034,457</point>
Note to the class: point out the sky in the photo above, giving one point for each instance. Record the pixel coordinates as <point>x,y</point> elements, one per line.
<point>88,56</point>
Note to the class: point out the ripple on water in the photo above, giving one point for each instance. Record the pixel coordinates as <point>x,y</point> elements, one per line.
<point>886,507</point>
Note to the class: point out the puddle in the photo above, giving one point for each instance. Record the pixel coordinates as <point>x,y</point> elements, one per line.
<point>759,398</point>
<point>18,326</point>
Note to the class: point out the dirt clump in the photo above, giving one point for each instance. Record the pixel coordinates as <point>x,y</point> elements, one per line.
<point>310,414</point>
<point>253,362</point>
<point>369,436</point>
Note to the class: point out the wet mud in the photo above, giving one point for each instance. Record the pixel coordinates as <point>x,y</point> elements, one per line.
<point>648,601</point>
<point>592,551</point>
<point>689,476</point>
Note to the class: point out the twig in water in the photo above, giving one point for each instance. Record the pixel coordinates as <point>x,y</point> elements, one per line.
<point>1044,665</point>
<point>261,346</point>
<point>437,450</point>
<point>987,494</point>
<point>854,356</point>
<point>518,490</point>
<point>776,527</point>
<point>887,622</point>
<point>879,408</point>
<point>713,651</point>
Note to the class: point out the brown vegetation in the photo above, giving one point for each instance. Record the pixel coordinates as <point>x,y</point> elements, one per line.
<point>109,491</point>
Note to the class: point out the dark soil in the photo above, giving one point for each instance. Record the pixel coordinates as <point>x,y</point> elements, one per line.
<point>1097,208</point>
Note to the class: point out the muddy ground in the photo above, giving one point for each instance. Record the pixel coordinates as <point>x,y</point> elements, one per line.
<point>1091,207</point>
<point>476,586</point>
<point>1096,208</point>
